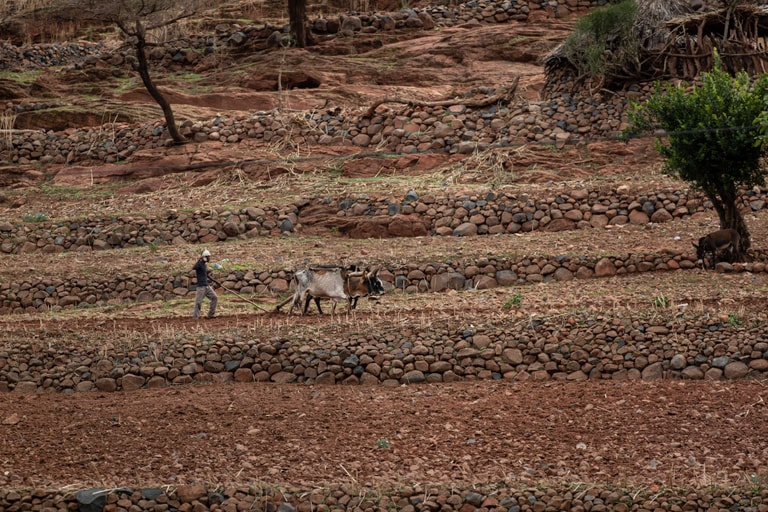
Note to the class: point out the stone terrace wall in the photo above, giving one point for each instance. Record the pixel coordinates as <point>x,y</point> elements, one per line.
<point>441,13</point>
<point>577,349</point>
<point>458,129</point>
<point>568,119</point>
<point>37,294</point>
<point>362,216</point>
<point>414,215</point>
<point>419,497</point>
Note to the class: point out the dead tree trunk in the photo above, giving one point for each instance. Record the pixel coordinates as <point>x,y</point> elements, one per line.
<point>297,12</point>
<point>143,69</point>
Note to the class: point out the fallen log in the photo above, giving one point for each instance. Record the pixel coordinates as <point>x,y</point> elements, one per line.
<point>504,93</point>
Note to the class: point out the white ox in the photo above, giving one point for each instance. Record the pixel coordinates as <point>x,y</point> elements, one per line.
<point>318,282</point>
<point>357,284</point>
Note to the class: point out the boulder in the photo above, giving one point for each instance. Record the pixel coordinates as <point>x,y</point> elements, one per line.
<point>448,281</point>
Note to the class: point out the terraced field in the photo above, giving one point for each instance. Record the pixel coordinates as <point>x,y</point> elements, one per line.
<point>504,434</point>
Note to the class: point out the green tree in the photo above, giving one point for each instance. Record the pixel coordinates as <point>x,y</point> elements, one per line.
<point>714,137</point>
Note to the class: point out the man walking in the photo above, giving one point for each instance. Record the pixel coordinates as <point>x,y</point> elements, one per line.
<point>203,288</point>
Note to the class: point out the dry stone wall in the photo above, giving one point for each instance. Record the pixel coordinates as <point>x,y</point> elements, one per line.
<point>458,129</point>
<point>413,215</point>
<point>37,294</point>
<point>442,13</point>
<point>565,119</point>
<point>586,349</point>
<point>417,497</point>
<point>363,216</point>
<point>581,348</point>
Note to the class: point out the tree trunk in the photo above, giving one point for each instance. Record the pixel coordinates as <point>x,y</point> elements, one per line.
<point>143,68</point>
<point>726,205</point>
<point>297,12</point>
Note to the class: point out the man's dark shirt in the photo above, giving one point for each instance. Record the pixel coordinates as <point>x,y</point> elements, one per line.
<point>201,269</point>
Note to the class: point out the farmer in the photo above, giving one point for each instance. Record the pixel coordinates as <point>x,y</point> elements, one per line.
<point>203,288</point>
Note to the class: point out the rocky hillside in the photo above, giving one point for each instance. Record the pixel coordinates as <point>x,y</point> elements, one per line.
<point>548,340</point>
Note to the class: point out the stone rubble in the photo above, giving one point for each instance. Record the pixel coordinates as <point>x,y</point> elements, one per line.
<point>412,498</point>
<point>582,348</point>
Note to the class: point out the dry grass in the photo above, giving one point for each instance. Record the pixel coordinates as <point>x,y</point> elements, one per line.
<point>7,121</point>
<point>285,170</point>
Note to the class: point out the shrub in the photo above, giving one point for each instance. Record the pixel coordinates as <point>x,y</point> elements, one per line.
<point>35,217</point>
<point>603,39</point>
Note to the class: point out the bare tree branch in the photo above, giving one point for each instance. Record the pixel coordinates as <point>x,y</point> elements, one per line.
<point>137,20</point>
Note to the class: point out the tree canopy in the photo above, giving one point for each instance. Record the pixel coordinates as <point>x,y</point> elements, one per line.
<point>714,136</point>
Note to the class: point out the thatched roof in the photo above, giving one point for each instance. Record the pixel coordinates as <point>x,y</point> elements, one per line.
<point>673,42</point>
<point>651,19</point>
<point>748,17</point>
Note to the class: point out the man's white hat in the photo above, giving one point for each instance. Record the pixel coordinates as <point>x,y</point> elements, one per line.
<point>205,253</point>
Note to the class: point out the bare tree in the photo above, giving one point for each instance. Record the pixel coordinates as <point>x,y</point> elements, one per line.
<point>137,20</point>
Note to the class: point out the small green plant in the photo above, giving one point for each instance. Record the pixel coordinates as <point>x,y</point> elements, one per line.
<point>35,217</point>
<point>603,39</point>
<point>383,443</point>
<point>21,77</point>
<point>514,300</point>
<point>660,301</point>
<point>758,481</point>
<point>733,320</point>
<point>335,169</point>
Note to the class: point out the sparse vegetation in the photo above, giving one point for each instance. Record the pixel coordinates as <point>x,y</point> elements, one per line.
<point>515,300</point>
<point>21,77</point>
<point>35,217</point>
<point>602,40</point>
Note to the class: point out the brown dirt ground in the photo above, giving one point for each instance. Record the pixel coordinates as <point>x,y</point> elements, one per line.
<point>648,435</point>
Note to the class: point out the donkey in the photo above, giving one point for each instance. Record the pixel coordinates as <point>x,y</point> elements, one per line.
<point>721,240</point>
